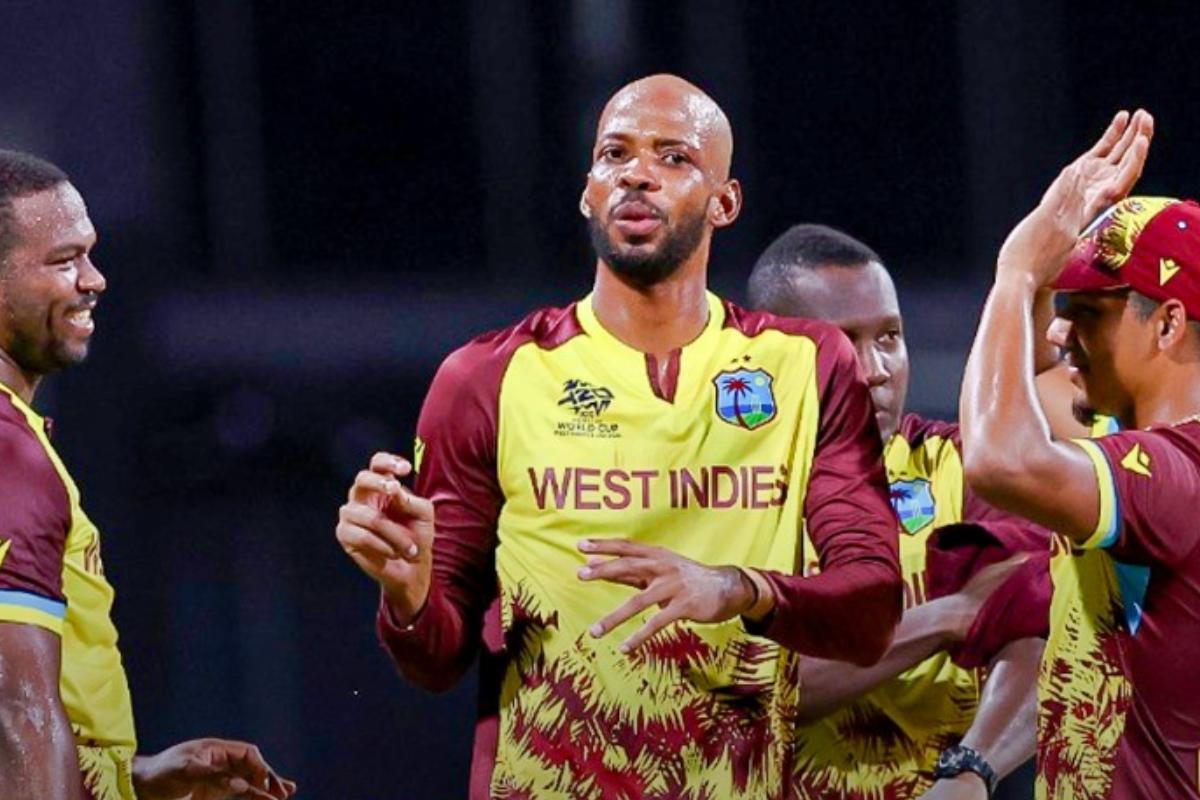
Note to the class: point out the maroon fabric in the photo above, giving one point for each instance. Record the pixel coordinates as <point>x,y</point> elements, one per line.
<point>849,610</point>
<point>1159,753</point>
<point>666,388</point>
<point>35,510</point>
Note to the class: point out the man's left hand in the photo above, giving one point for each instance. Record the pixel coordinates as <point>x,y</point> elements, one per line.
<point>679,587</point>
<point>209,769</point>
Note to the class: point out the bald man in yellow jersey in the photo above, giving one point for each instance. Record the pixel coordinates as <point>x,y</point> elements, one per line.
<point>66,720</point>
<point>609,502</point>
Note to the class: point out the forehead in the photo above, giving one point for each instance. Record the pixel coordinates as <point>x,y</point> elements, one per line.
<point>51,216</point>
<point>659,113</point>
<point>1066,302</point>
<point>846,295</point>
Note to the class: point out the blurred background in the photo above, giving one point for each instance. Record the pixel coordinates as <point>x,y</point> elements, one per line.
<point>304,206</point>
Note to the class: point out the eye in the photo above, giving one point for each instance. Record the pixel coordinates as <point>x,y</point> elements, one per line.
<point>612,153</point>
<point>675,158</point>
<point>891,337</point>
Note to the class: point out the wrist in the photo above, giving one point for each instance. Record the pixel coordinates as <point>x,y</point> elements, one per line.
<point>959,761</point>
<point>143,772</point>
<point>406,606</point>
<point>761,597</point>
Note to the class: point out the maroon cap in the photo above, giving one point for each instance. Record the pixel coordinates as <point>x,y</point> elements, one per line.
<point>1148,244</point>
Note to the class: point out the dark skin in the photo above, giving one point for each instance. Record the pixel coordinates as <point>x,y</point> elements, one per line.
<point>1143,372</point>
<point>861,300</point>
<point>661,160</point>
<point>48,288</point>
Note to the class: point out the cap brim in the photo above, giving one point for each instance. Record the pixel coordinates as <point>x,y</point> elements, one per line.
<point>1084,274</point>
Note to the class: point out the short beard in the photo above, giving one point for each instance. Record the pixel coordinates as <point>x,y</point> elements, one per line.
<point>649,269</point>
<point>1084,414</point>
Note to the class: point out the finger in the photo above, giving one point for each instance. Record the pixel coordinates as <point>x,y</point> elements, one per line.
<point>411,505</point>
<point>371,486</point>
<point>655,595</point>
<point>1131,168</point>
<point>1111,135</point>
<point>1123,144</point>
<point>617,547</point>
<point>399,536</point>
<point>389,464</point>
<point>356,540</point>
<point>635,572</point>
<point>653,625</point>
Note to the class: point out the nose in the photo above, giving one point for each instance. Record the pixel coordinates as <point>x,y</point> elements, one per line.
<point>91,279</point>
<point>873,366</point>
<point>1059,332</point>
<point>639,177</point>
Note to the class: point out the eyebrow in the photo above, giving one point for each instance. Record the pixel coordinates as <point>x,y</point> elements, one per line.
<point>660,142</point>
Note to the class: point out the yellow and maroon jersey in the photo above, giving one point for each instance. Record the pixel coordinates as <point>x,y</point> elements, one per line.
<point>51,576</point>
<point>552,431</point>
<point>1119,711</point>
<point>886,744</point>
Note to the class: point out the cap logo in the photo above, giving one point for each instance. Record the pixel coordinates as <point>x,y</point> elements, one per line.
<point>1167,269</point>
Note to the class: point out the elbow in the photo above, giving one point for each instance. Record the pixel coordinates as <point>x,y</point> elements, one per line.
<point>988,473</point>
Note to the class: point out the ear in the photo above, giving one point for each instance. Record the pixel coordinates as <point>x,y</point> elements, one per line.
<point>725,205</point>
<point>1171,325</point>
<point>584,208</point>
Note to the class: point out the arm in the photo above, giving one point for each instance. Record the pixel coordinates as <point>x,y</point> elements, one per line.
<point>1009,456</point>
<point>1056,396</point>
<point>37,747</point>
<point>435,588</point>
<point>207,769</point>
<point>849,610</point>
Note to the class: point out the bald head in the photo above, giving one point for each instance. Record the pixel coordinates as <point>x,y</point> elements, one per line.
<point>671,99</point>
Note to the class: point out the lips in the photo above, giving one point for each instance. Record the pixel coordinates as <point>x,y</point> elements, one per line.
<point>635,218</point>
<point>80,319</point>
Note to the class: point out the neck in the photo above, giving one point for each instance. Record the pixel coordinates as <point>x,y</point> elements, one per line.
<point>1173,396</point>
<point>655,319</point>
<point>21,382</point>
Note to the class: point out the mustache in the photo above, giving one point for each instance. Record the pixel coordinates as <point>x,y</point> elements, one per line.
<point>89,301</point>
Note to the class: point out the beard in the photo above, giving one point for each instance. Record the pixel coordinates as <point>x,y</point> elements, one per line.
<point>645,269</point>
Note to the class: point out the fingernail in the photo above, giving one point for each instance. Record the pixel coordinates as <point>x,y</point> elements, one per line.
<point>625,648</point>
<point>585,572</point>
<point>397,464</point>
<point>585,544</point>
<point>596,631</point>
<point>413,550</point>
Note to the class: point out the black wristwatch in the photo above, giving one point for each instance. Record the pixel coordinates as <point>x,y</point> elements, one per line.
<point>959,759</point>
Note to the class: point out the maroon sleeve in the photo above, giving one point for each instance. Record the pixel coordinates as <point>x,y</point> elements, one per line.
<point>35,513</point>
<point>1018,608</point>
<point>849,610</point>
<point>457,471</point>
<point>1156,483</point>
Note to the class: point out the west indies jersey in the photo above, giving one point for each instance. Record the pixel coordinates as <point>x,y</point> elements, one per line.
<point>551,431</point>
<point>1119,699</point>
<point>51,576</point>
<point>886,744</point>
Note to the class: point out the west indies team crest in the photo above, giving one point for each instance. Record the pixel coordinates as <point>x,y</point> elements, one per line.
<point>913,502</point>
<point>744,397</point>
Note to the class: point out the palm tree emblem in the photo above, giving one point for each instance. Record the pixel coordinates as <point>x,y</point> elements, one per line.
<point>744,397</point>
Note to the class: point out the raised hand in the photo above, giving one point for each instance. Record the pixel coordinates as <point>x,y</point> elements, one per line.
<point>208,769</point>
<point>388,532</point>
<point>1038,247</point>
<point>679,587</point>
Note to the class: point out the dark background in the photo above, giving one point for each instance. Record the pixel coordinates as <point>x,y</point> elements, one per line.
<point>304,206</point>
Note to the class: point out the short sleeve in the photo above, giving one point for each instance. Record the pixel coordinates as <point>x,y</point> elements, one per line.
<point>1149,487</point>
<point>35,517</point>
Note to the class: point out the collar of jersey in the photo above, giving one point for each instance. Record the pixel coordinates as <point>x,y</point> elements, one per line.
<point>592,327</point>
<point>36,421</point>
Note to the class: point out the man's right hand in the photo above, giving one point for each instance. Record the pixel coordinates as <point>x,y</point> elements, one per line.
<point>388,532</point>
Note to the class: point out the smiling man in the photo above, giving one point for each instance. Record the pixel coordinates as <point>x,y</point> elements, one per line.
<point>66,720</point>
<point>662,663</point>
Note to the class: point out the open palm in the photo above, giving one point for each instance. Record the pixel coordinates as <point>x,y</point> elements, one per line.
<point>1106,173</point>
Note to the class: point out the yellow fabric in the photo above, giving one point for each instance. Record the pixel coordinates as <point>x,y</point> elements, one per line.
<point>887,744</point>
<point>635,431</point>
<point>1083,694</point>
<point>93,685</point>
<point>30,616</point>
<point>1108,519</point>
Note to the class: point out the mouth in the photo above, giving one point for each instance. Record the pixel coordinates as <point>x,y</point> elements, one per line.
<point>80,320</point>
<point>635,218</point>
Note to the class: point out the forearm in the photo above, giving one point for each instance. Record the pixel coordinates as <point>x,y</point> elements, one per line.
<point>437,647</point>
<point>38,759</point>
<point>1046,355</point>
<point>1005,727</point>
<point>829,684</point>
<point>847,613</point>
